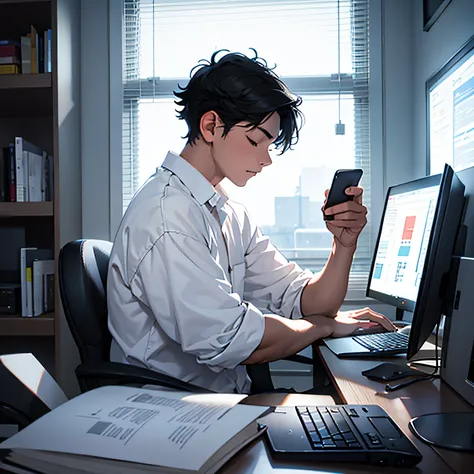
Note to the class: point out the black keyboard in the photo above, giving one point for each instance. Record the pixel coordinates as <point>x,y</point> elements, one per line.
<point>326,428</point>
<point>385,341</point>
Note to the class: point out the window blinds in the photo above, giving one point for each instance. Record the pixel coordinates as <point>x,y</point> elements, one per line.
<point>157,53</point>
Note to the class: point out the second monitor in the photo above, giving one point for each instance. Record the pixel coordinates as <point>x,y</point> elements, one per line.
<point>412,261</point>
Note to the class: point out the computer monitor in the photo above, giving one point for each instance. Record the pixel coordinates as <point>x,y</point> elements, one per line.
<point>437,284</point>
<point>450,121</point>
<point>402,242</point>
<point>414,249</point>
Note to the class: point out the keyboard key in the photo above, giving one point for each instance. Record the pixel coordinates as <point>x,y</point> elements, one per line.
<point>324,433</point>
<point>373,441</point>
<point>355,445</point>
<point>329,443</point>
<point>341,423</point>
<point>331,426</point>
<point>340,444</point>
<point>384,341</point>
<point>315,437</point>
<point>318,421</point>
<point>349,437</point>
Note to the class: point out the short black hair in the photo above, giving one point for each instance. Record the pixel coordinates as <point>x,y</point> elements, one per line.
<point>239,89</point>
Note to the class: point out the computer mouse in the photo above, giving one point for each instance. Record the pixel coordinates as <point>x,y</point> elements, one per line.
<point>406,330</point>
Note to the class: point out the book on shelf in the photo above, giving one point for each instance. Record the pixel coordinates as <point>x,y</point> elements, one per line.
<point>125,430</point>
<point>28,284</point>
<point>9,69</point>
<point>42,271</point>
<point>8,184</point>
<point>31,54</point>
<point>26,173</point>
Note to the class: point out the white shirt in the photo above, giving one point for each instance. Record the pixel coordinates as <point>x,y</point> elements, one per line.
<point>186,295</point>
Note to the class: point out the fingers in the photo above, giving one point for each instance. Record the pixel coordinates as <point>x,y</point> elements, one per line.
<point>378,318</point>
<point>357,192</point>
<point>349,206</point>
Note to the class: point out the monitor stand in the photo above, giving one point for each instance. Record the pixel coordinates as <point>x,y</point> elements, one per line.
<point>446,430</point>
<point>399,314</point>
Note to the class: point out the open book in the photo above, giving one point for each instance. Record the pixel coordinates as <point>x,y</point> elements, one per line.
<point>119,430</point>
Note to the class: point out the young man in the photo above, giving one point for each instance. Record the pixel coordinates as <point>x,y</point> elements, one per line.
<point>195,290</point>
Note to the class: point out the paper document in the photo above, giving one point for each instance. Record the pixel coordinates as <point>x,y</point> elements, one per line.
<point>171,429</point>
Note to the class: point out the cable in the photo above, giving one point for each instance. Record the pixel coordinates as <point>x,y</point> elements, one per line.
<point>339,59</point>
<point>433,375</point>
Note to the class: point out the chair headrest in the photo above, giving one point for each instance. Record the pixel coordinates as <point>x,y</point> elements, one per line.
<point>83,268</point>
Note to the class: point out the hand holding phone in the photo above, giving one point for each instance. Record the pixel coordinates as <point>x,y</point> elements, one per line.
<point>342,180</point>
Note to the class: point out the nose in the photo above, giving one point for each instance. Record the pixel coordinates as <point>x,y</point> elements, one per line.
<point>267,161</point>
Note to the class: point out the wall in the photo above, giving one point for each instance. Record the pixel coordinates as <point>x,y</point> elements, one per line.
<point>95,126</point>
<point>397,78</point>
<point>432,50</point>
<point>68,208</point>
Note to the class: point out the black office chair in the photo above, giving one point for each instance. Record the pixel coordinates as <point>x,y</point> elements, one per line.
<point>83,267</point>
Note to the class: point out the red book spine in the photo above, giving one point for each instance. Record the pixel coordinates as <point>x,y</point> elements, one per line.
<point>7,50</point>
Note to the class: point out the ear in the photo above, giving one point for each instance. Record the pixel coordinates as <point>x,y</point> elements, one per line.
<point>208,125</point>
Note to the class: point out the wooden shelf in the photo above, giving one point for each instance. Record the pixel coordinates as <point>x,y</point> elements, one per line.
<point>23,95</point>
<point>15,325</point>
<point>21,209</point>
<point>23,1</point>
<point>24,81</point>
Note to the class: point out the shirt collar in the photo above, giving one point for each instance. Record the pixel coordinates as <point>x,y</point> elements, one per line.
<point>198,185</point>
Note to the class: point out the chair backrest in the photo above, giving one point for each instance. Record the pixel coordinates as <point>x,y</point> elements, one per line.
<point>83,267</point>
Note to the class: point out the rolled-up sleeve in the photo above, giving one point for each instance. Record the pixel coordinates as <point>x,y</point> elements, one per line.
<point>271,282</point>
<point>198,309</point>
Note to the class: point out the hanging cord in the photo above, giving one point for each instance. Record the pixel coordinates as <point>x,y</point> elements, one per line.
<point>433,375</point>
<point>339,58</point>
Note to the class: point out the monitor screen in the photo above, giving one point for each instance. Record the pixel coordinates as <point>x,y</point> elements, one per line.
<point>450,96</point>
<point>403,240</point>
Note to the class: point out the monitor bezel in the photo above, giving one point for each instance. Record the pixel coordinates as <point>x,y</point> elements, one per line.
<point>453,63</point>
<point>420,329</point>
<point>427,181</point>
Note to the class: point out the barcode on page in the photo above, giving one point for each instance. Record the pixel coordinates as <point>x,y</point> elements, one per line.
<point>99,427</point>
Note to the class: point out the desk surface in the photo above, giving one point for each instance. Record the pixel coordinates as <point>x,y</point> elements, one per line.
<point>418,399</point>
<point>415,400</point>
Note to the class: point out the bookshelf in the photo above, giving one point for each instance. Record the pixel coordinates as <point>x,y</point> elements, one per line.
<point>26,209</point>
<point>31,107</point>
<point>26,95</point>
<point>15,325</point>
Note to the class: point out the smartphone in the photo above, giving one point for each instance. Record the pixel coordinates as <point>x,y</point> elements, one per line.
<point>342,180</point>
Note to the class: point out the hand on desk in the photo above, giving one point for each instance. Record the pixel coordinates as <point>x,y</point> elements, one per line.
<point>347,323</point>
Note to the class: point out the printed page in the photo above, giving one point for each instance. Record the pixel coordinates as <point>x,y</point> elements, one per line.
<point>178,430</point>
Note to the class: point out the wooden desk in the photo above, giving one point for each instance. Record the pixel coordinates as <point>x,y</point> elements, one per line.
<point>418,399</point>
<point>402,405</point>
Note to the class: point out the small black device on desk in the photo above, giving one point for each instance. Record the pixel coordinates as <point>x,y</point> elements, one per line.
<point>388,371</point>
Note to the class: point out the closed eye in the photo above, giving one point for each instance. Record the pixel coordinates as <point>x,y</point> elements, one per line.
<point>251,141</point>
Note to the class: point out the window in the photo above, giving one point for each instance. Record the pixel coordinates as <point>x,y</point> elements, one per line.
<point>321,51</point>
